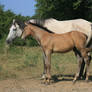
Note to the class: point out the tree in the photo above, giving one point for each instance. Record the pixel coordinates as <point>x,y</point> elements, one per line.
<point>6,18</point>
<point>64,9</point>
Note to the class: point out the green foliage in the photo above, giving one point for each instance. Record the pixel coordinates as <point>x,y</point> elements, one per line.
<point>5,21</point>
<point>64,9</point>
<point>6,18</point>
<point>58,9</point>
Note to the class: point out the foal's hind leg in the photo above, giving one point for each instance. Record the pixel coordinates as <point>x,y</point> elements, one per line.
<point>87,61</point>
<point>87,70</point>
<point>89,57</point>
<point>79,58</point>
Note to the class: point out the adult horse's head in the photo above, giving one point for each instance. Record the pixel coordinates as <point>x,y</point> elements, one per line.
<point>16,30</point>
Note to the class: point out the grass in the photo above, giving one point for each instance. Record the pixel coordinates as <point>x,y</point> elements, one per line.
<point>27,62</point>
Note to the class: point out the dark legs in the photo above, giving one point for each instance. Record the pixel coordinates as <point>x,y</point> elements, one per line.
<point>82,69</point>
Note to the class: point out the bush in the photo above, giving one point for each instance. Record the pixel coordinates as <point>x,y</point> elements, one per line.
<point>28,42</point>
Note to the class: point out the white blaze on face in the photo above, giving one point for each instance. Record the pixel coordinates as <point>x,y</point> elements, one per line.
<point>12,33</point>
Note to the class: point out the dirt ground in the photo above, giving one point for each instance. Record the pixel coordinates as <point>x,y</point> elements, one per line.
<point>22,74</point>
<point>34,85</point>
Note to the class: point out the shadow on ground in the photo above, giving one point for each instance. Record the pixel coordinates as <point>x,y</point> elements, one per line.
<point>59,78</point>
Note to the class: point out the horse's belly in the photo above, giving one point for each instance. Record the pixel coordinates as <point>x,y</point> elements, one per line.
<point>63,50</point>
<point>63,46</point>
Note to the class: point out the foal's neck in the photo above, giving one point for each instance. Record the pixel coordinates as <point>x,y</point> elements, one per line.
<point>39,33</point>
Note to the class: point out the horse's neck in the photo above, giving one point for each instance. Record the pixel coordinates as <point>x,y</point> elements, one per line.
<point>38,33</point>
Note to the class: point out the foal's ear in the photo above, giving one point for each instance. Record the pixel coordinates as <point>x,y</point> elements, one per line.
<point>26,23</point>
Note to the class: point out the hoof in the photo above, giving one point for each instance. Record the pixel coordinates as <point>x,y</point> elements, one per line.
<point>42,82</point>
<point>86,81</point>
<point>45,83</point>
<point>74,81</point>
<point>43,76</point>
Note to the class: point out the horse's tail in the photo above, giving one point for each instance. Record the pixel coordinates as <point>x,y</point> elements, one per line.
<point>89,36</point>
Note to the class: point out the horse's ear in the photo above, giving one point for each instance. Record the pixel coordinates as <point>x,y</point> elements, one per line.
<point>13,21</point>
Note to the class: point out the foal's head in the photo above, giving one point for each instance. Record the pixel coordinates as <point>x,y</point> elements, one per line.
<point>27,31</point>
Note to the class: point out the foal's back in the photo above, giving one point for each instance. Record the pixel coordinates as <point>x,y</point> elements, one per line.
<point>67,41</point>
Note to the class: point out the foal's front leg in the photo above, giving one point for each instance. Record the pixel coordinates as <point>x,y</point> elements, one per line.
<point>48,66</point>
<point>44,71</point>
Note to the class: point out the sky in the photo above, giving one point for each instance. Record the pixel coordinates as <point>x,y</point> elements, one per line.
<point>23,7</point>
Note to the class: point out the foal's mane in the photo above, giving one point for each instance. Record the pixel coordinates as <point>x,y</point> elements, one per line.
<point>45,29</point>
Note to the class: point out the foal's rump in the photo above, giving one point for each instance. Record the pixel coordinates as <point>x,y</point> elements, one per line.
<point>79,39</point>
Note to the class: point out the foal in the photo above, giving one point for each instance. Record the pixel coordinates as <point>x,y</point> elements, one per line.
<point>62,43</point>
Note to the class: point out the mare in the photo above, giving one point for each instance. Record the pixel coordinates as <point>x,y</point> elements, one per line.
<point>59,43</point>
